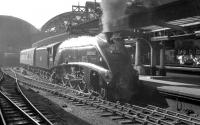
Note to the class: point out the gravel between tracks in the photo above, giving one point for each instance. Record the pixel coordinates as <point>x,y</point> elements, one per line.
<point>86,113</point>
<point>60,114</point>
<point>76,115</point>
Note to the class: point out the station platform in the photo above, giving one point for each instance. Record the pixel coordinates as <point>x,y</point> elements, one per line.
<point>173,83</point>
<point>178,90</point>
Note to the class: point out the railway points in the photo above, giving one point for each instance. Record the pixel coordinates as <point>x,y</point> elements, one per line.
<point>16,108</point>
<point>123,114</point>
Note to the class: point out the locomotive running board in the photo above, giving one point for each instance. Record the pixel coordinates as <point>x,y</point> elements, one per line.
<point>105,73</point>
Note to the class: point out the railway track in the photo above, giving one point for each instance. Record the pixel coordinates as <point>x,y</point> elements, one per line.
<point>123,114</point>
<point>16,108</point>
<point>1,76</point>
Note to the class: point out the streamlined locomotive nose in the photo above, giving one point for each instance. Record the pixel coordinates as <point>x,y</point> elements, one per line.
<point>124,78</point>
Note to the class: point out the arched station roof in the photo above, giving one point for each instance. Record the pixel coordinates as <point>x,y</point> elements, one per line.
<point>79,14</point>
<point>16,34</point>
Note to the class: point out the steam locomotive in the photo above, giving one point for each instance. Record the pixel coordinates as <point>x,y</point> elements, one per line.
<point>99,65</point>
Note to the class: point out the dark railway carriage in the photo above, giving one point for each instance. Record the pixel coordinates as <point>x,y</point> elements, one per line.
<point>27,57</point>
<point>41,59</point>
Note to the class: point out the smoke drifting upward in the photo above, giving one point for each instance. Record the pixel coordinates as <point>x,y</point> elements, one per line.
<point>112,11</point>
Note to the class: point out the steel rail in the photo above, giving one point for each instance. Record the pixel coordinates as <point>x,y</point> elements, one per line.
<point>1,75</point>
<point>29,103</point>
<point>100,105</point>
<point>143,115</point>
<point>158,109</point>
<point>19,109</point>
<point>3,122</point>
<point>37,113</point>
<point>124,111</point>
<point>1,114</point>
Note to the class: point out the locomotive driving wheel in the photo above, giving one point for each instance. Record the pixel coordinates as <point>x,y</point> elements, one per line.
<point>72,85</point>
<point>103,93</point>
<point>82,86</point>
<point>77,84</point>
<point>100,93</point>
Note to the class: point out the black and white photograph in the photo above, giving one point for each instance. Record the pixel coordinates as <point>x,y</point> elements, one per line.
<point>100,62</point>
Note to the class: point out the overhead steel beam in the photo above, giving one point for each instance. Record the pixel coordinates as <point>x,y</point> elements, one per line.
<point>91,24</point>
<point>156,16</point>
<point>175,37</point>
<point>175,27</point>
<point>173,11</point>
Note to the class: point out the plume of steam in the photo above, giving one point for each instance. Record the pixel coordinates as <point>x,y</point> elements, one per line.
<point>112,11</point>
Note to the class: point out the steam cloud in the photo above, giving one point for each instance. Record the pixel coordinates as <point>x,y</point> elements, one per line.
<point>112,11</point>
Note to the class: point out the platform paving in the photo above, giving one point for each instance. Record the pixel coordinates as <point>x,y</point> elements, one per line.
<point>177,84</point>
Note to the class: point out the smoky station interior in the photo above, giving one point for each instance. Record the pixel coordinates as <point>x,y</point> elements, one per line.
<point>100,62</point>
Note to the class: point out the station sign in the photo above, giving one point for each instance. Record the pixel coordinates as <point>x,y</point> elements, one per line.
<point>188,51</point>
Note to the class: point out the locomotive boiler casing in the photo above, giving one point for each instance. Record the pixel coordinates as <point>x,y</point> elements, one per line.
<point>110,60</point>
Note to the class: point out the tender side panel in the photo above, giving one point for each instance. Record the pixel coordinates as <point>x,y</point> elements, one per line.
<point>52,49</point>
<point>42,58</point>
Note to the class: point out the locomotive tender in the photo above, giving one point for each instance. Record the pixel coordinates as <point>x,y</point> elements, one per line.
<point>98,65</point>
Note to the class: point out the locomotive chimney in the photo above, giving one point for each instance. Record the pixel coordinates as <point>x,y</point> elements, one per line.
<point>108,36</point>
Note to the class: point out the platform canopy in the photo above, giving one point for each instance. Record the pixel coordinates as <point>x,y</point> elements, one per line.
<point>175,15</point>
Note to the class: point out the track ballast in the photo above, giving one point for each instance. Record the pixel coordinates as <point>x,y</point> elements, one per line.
<point>124,114</point>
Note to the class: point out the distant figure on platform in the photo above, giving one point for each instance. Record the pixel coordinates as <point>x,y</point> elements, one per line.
<point>196,61</point>
<point>189,60</point>
<point>181,59</point>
